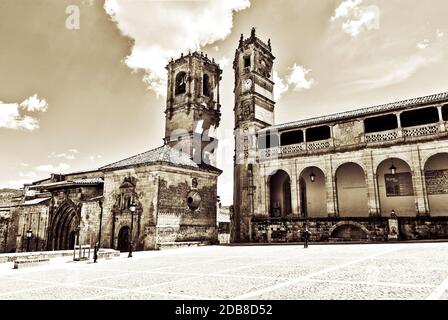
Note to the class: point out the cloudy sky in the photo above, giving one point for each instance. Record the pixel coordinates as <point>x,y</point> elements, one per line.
<point>76,96</point>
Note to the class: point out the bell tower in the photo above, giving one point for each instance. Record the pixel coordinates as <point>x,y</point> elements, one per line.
<point>192,106</point>
<point>254,110</point>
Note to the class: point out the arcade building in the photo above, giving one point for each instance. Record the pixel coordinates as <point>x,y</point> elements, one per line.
<point>372,174</point>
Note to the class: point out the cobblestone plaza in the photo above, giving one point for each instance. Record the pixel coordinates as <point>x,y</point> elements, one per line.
<point>281,272</point>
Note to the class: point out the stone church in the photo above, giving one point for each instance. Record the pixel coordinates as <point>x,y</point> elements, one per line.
<point>372,174</point>
<point>165,195</point>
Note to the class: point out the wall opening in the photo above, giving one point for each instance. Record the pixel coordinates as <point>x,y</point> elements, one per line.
<point>180,83</point>
<point>246,62</point>
<point>381,123</point>
<point>314,200</point>
<point>206,85</point>
<point>352,191</point>
<point>349,232</point>
<point>123,239</point>
<point>318,133</point>
<point>280,194</point>
<point>419,117</point>
<point>396,191</point>
<point>436,178</point>
<point>445,112</point>
<point>291,137</point>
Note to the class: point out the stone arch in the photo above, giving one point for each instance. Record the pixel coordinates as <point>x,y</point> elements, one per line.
<point>349,230</point>
<point>396,191</point>
<point>314,200</point>
<point>64,222</point>
<point>351,190</point>
<point>123,238</point>
<point>280,194</point>
<point>436,174</point>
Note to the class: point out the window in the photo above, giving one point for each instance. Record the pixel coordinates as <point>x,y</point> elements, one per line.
<point>419,117</point>
<point>246,61</point>
<point>205,85</point>
<point>291,137</point>
<point>318,134</point>
<point>181,83</point>
<point>268,140</point>
<point>445,112</point>
<point>381,123</point>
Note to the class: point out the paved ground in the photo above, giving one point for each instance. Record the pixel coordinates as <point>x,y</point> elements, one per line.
<point>376,271</point>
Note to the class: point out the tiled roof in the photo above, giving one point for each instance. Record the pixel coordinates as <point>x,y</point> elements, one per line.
<point>68,183</point>
<point>440,97</point>
<point>164,154</point>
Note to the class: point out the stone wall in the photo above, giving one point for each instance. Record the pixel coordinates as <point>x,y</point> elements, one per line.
<point>333,229</point>
<point>176,220</point>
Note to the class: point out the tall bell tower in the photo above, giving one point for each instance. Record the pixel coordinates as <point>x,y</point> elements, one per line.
<point>192,106</point>
<point>254,110</point>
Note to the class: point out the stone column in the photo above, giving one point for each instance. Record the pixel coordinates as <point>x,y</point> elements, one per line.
<point>372,187</point>
<point>418,179</point>
<point>330,186</point>
<point>441,121</point>
<point>399,128</point>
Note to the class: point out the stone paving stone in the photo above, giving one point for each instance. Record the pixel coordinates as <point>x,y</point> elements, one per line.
<point>204,268</point>
<point>336,291</point>
<point>138,296</point>
<point>134,280</point>
<point>375,270</point>
<point>276,270</point>
<point>58,293</point>
<point>11,285</point>
<point>445,295</point>
<point>70,275</point>
<point>215,287</point>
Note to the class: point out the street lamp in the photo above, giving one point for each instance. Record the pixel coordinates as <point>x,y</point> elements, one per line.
<point>132,208</point>
<point>312,177</point>
<point>29,234</point>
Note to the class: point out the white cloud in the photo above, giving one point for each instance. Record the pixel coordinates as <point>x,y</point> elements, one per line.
<point>51,168</point>
<point>34,104</point>
<point>345,8</point>
<point>298,79</point>
<point>11,116</point>
<point>423,44</point>
<point>280,87</point>
<point>93,157</point>
<point>356,18</point>
<point>163,29</point>
<point>440,34</point>
<point>29,174</point>
<point>223,62</point>
<point>69,155</point>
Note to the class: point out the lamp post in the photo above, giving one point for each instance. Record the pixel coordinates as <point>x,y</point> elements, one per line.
<point>29,234</point>
<point>98,244</point>
<point>132,208</point>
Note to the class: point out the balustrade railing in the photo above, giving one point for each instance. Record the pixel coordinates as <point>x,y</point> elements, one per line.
<point>421,130</point>
<point>382,136</point>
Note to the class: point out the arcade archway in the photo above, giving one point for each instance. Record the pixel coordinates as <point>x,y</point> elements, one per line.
<point>313,195</point>
<point>436,178</point>
<point>352,191</point>
<point>280,194</point>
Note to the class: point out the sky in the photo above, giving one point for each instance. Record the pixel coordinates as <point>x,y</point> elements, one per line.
<point>77,94</point>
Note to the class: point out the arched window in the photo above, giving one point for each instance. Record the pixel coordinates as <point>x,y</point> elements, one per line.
<point>206,85</point>
<point>181,83</point>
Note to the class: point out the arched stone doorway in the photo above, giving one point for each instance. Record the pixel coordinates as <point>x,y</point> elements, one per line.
<point>313,194</point>
<point>351,189</point>
<point>436,178</point>
<point>349,231</point>
<point>395,188</point>
<point>123,239</point>
<point>63,227</point>
<point>280,194</point>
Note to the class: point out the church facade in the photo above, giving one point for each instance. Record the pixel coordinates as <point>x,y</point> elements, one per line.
<point>373,174</point>
<point>162,196</point>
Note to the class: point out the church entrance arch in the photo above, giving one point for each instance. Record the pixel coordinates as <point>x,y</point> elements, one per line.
<point>63,227</point>
<point>123,239</point>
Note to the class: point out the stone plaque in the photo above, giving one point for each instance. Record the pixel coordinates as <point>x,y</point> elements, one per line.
<point>399,184</point>
<point>436,181</point>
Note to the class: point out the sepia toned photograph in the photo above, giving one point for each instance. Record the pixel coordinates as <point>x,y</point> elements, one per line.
<point>241,152</point>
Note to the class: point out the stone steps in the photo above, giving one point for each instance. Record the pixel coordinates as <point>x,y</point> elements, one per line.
<point>180,244</point>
